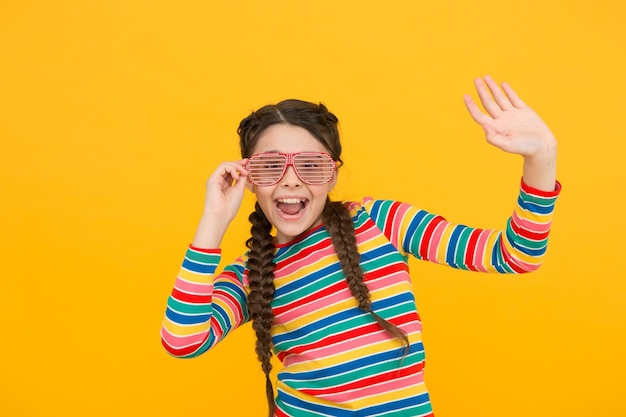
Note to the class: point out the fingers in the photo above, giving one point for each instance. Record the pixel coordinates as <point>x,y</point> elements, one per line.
<point>515,100</point>
<point>484,88</point>
<point>494,99</point>
<point>475,111</point>
<point>236,169</point>
<point>228,174</point>
<point>241,181</point>
<point>501,99</point>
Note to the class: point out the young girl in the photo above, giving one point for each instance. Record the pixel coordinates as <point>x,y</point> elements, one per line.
<point>326,284</point>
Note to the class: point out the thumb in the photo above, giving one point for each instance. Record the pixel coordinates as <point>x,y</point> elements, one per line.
<point>240,182</point>
<point>492,136</point>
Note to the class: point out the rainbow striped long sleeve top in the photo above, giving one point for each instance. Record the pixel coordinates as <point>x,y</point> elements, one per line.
<point>337,360</point>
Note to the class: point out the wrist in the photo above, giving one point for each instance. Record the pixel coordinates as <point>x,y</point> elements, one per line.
<point>544,154</point>
<point>210,232</point>
<point>540,170</point>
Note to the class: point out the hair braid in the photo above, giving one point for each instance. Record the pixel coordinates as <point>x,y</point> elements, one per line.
<point>261,275</point>
<point>341,228</point>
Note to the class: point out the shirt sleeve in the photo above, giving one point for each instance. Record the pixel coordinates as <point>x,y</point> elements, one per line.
<point>203,307</point>
<point>519,247</point>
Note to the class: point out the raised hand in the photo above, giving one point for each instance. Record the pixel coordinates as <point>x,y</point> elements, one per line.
<point>225,188</point>
<point>512,126</point>
<point>224,194</point>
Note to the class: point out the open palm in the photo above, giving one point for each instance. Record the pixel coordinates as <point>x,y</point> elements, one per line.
<point>509,123</point>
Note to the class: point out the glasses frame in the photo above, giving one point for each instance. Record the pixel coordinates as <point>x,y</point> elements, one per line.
<point>289,161</point>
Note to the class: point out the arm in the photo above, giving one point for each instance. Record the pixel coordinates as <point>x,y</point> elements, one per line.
<point>512,126</point>
<point>202,307</point>
<point>519,248</point>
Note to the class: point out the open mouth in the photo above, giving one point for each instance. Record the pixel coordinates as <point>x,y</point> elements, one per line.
<point>291,206</point>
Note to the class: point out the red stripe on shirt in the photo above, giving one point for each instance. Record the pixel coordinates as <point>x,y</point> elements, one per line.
<point>428,234</point>
<point>191,298</point>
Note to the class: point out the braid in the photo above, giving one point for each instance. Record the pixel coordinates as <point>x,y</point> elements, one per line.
<point>261,275</point>
<point>339,224</point>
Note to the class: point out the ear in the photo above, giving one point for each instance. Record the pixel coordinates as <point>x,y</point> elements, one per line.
<point>250,186</point>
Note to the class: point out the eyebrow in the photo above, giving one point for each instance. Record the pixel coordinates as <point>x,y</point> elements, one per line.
<point>270,151</point>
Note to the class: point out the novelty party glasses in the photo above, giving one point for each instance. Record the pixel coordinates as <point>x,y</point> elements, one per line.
<point>313,168</point>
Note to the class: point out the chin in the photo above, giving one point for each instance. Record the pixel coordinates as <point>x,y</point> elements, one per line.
<point>287,234</point>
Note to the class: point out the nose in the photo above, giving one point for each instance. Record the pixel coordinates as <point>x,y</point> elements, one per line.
<point>290,179</point>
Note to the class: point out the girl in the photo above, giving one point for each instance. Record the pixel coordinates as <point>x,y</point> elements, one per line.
<point>326,284</point>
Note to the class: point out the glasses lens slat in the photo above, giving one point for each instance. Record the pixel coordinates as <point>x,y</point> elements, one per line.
<point>314,168</point>
<point>311,167</point>
<point>266,169</point>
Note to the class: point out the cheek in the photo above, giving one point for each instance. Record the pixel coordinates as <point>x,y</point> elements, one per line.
<point>264,196</point>
<point>321,194</point>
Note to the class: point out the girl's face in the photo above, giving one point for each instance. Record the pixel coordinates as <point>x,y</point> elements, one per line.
<point>292,206</point>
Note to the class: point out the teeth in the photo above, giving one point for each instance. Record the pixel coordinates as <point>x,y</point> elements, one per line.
<point>290,200</point>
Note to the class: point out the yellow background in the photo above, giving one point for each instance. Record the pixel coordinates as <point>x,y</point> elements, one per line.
<point>114,113</point>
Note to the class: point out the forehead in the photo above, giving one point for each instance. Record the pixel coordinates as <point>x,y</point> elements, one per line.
<point>288,139</point>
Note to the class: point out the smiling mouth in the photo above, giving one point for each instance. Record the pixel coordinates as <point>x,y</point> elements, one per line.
<point>291,206</point>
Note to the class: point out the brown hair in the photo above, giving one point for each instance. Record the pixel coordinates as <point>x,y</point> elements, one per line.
<point>322,124</point>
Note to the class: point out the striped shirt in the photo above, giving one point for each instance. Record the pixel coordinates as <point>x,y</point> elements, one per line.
<point>337,360</point>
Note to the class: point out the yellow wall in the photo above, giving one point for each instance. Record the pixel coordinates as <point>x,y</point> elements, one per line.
<point>113,114</point>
